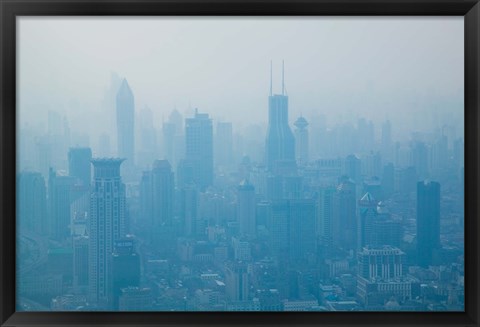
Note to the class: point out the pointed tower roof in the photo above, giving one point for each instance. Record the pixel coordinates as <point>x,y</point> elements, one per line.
<point>124,90</point>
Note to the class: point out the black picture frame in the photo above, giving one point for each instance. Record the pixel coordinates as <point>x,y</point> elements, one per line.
<point>10,9</point>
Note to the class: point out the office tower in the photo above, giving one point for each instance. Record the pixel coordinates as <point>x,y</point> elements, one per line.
<point>125,268</point>
<point>59,200</point>
<point>163,187</point>
<point>428,221</point>
<point>385,229</point>
<point>80,261</point>
<point>107,225</point>
<point>325,203</point>
<point>157,202</point>
<point>353,168</point>
<point>367,212</point>
<point>291,229</point>
<point>280,143</point>
<point>246,206</point>
<point>125,125</point>
<point>32,202</point>
<point>199,148</point>
<point>277,225</point>
<point>301,140</point>
<point>79,165</point>
<point>420,159</point>
<point>236,281</point>
<point>344,212</point>
<point>224,144</point>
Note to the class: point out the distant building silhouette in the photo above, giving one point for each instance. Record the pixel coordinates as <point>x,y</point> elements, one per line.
<point>32,202</point>
<point>60,187</point>
<point>280,143</point>
<point>107,225</point>
<point>246,206</point>
<point>199,148</point>
<point>79,165</point>
<point>125,125</point>
<point>301,140</point>
<point>367,214</point>
<point>428,221</point>
<point>156,197</point>
<point>344,212</point>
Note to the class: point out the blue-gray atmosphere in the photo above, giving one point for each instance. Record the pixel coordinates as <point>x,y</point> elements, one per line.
<point>240,164</point>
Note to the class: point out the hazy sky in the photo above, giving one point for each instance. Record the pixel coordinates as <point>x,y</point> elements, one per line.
<point>378,67</point>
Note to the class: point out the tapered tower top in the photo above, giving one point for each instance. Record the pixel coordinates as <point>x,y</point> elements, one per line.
<point>124,91</point>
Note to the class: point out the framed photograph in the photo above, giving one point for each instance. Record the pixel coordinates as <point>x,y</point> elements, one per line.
<point>239,163</point>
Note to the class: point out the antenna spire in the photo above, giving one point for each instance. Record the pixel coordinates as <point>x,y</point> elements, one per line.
<point>283,78</point>
<point>271,78</point>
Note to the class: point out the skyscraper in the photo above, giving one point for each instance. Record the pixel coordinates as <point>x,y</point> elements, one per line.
<point>367,211</point>
<point>291,227</point>
<point>107,225</point>
<point>125,124</point>
<point>344,212</point>
<point>428,221</point>
<point>324,226</point>
<point>199,148</point>
<point>60,189</point>
<point>301,140</point>
<point>280,143</point>
<point>156,193</point>
<point>79,165</point>
<point>32,202</point>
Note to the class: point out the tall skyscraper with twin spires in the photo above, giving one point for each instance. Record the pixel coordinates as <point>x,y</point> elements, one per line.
<point>280,143</point>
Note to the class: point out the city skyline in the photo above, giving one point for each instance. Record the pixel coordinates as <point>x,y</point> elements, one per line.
<point>389,66</point>
<point>292,211</point>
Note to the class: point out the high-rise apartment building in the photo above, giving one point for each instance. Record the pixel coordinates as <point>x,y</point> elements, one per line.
<point>107,225</point>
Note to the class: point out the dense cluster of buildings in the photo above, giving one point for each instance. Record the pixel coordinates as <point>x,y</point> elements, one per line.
<point>323,220</point>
